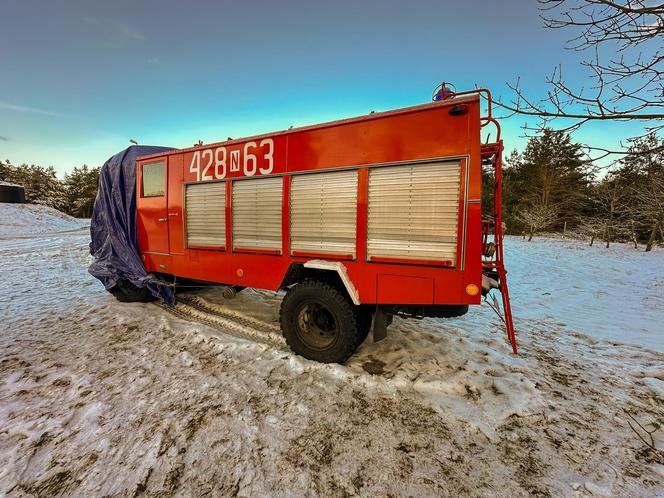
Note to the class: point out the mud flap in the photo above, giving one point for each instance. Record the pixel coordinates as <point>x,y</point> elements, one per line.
<point>380,322</point>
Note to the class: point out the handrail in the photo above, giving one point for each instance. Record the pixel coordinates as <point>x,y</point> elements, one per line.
<point>484,120</point>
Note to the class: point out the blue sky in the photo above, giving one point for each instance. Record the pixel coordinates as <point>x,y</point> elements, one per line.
<point>80,78</point>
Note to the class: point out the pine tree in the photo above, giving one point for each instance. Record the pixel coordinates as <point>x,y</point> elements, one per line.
<point>550,182</point>
<point>42,185</point>
<point>80,187</point>
<point>6,171</point>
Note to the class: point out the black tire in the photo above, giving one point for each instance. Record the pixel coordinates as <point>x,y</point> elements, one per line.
<point>319,322</point>
<point>455,310</point>
<point>126,292</point>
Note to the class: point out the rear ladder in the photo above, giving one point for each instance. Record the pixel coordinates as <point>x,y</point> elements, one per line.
<point>493,263</point>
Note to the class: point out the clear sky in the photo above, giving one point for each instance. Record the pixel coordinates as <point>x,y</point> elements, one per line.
<point>78,79</point>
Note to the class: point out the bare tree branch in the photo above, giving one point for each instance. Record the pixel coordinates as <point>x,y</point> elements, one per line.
<point>629,86</point>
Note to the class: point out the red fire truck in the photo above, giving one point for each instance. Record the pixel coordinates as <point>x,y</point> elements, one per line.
<point>357,220</point>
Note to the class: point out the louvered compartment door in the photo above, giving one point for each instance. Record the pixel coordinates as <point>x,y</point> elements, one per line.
<point>324,213</point>
<point>256,211</point>
<point>205,214</point>
<point>414,212</point>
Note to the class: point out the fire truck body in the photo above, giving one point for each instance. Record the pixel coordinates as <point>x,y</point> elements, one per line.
<point>383,208</point>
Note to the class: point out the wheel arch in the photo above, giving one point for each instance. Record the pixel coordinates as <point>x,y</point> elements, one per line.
<point>315,268</point>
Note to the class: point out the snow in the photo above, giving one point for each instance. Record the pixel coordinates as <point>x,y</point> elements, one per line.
<point>615,294</point>
<point>103,398</point>
<point>29,219</point>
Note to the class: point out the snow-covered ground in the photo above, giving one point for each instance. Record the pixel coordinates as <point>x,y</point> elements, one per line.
<point>29,219</point>
<point>103,398</point>
<point>615,294</point>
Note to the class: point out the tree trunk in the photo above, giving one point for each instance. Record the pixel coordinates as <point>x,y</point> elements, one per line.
<point>530,236</point>
<point>609,225</point>
<point>564,229</point>
<point>651,239</point>
<point>592,239</point>
<point>633,235</point>
<point>607,233</point>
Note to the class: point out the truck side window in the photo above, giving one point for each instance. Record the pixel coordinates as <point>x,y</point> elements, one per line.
<point>153,179</point>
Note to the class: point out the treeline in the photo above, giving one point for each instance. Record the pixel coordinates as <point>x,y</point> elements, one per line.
<point>74,194</point>
<point>552,186</point>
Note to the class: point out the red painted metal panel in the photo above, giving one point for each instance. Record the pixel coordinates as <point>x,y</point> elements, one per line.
<point>320,255</point>
<point>461,227</point>
<point>399,289</point>
<point>362,213</point>
<point>406,135</point>
<point>208,248</point>
<point>285,215</point>
<point>235,159</point>
<point>406,261</point>
<point>418,135</point>
<point>257,251</point>
<point>229,208</point>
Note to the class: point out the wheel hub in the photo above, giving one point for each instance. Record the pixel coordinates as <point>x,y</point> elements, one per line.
<point>316,326</point>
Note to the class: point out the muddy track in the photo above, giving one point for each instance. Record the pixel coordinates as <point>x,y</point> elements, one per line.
<point>196,309</point>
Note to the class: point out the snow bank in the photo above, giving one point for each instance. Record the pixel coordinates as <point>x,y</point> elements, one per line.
<point>30,219</point>
<point>7,184</point>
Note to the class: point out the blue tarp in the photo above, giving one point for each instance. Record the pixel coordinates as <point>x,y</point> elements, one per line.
<point>114,242</point>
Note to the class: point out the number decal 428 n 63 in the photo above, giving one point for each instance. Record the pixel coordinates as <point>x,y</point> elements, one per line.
<point>212,164</point>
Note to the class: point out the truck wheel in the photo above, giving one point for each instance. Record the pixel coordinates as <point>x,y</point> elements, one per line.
<point>126,292</point>
<point>319,322</point>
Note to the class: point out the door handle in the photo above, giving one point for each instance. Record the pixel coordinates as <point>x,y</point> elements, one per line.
<point>162,219</point>
<point>172,214</point>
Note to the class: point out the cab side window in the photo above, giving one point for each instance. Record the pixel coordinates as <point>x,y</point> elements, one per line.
<point>154,176</point>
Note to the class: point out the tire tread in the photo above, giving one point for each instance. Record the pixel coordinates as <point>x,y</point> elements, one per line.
<point>326,292</point>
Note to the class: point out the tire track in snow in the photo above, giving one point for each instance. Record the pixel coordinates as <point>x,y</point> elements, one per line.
<point>232,324</point>
<point>203,304</point>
